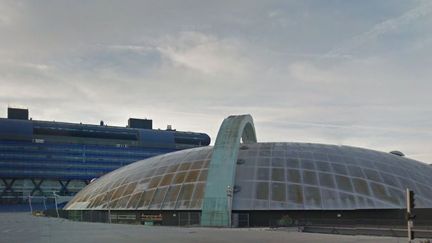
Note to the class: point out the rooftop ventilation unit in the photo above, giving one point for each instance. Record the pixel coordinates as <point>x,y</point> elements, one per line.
<point>140,123</point>
<point>398,153</point>
<point>19,114</point>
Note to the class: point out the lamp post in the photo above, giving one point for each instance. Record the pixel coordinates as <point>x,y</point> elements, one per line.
<point>55,203</point>
<point>30,203</point>
<point>410,216</point>
<point>229,203</point>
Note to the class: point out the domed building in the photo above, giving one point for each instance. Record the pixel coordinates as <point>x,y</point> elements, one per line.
<point>256,184</point>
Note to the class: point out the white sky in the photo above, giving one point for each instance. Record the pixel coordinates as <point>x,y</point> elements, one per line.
<point>339,72</point>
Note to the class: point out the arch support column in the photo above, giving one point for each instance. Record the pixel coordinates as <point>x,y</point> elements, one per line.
<point>217,201</point>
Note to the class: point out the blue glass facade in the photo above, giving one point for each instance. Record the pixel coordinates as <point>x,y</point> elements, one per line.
<point>41,157</point>
<point>21,159</point>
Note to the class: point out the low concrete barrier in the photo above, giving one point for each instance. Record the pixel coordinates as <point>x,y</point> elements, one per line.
<point>393,232</point>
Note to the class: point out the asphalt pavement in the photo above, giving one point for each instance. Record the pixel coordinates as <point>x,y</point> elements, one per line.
<point>23,227</point>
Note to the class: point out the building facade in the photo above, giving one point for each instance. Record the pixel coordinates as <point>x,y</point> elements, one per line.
<point>39,158</point>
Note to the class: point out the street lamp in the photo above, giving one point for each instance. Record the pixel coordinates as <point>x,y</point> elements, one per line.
<point>55,203</point>
<point>229,191</point>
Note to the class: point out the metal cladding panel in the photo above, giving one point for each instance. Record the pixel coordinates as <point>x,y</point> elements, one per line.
<point>19,128</point>
<point>157,137</point>
<point>216,209</point>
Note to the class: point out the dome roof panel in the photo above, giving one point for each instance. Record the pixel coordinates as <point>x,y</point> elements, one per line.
<point>271,176</point>
<point>170,181</point>
<point>320,176</point>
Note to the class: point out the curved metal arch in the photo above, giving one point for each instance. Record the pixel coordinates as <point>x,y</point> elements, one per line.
<point>217,201</point>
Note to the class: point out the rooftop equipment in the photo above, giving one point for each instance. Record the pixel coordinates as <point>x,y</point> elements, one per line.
<point>398,153</point>
<point>140,123</point>
<point>17,113</point>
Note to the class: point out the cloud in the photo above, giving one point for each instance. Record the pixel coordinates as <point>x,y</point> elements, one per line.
<point>307,72</point>
<point>9,13</point>
<point>393,24</point>
<point>190,65</point>
<point>204,53</point>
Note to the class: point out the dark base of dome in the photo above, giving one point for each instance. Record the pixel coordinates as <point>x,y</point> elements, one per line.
<point>356,218</point>
<point>394,218</point>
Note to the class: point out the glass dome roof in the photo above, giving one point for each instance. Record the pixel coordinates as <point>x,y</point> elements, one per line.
<point>269,176</point>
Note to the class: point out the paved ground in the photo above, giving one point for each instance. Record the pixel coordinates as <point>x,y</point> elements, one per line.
<point>22,227</point>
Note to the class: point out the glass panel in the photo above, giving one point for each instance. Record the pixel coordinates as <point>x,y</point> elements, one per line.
<point>133,202</point>
<point>330,199</point>
<point>185,166</point>
<point>118,182</point>
<point>278,153</point>
<point>396,196</point>
<point>166,180</point>
<point>348,200</point>
<point>265,152</point>
<point>149,173</point>
<point>407,183</point>
<point>355,171</point>
<point>145,199</point>
<point>154,182</point>
<point>293,176</point>
<point>277,162</point>
<point>295,194</point>
<point>379,191</point>
<point>185,196</point>
<point>196,165</point>
<point>312,197</point>
<point>129,188</point>
<point>198,196</point>
<point>263,174</point>
<point>246,189</point>
<point>343,183</point>
<point>142,185</point>
<point>262,191</point>
<point>307,164</point>
<point>245,173</point>
<point>309,177</point>
<point>320,156</point>
<point>372,175</point>
<point>179,178</point>
<point>361,186</point>
<point>98,200</point>
<point>171,197</point>
<point>340,169</point>
<point>173,168</point>
<point>160,171</point>
<point>123,202</point>
<point>326,180</point>
<point>156,203</point>
<point>265,162</point>
<point>192,176</point>
<point>112,204</point>
<point>278,192</point>
<point>117,194</point>
<point>292,163</point>
<point>390,179</point>
<point>278,174</point>
<point>323,166</point>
